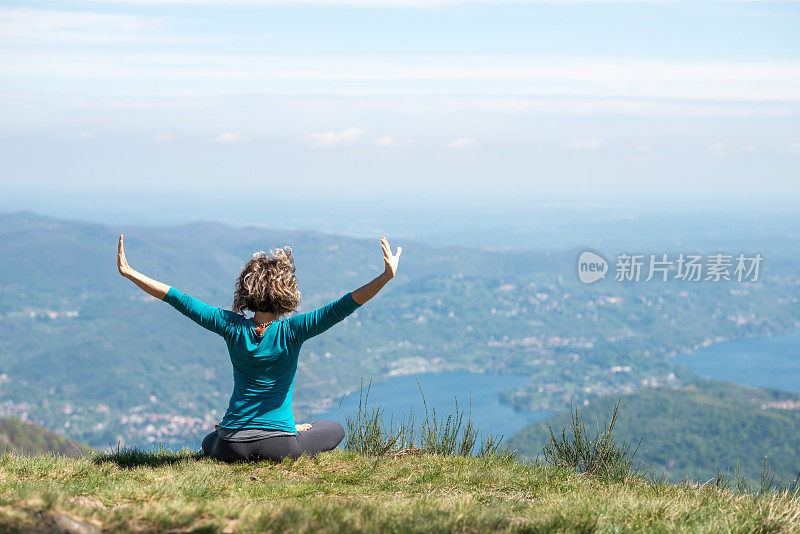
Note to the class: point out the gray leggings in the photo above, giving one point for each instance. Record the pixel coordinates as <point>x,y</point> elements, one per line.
<point>322,436</point>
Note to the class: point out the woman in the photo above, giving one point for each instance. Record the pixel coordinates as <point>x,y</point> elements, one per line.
<point>259,423</point>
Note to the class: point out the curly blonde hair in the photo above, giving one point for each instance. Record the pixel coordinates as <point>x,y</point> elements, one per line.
<point>267,284</point>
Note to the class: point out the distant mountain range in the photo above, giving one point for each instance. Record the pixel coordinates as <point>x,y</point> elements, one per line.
<point>27,438</point>
<point>691,430</point>
<point>83,349</point>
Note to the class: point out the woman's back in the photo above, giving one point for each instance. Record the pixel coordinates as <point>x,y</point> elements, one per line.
<point>264,366</point>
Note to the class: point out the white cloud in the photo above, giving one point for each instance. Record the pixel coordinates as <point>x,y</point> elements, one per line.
<point>386,141</point>
<point>586,144</point>
<point>81,135</point>
<point>790,147</point>
<point>24,25</point>
<point>461,142</point>
<point>638,83</point>
<point>750,149</point>
<point>718,149</point>
<point>331,139</point>
<point>199,102</point>
<point>230,137</point>
<point>162,138</point>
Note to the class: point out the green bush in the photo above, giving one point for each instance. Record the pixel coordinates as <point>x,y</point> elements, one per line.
<point>603,454</point>
<point>438,433</point>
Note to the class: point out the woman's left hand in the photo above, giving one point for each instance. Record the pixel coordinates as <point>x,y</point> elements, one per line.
<point>122,262</point>
<point>303,426</point>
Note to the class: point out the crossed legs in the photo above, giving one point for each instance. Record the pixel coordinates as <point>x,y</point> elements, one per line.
<point>322,436</point>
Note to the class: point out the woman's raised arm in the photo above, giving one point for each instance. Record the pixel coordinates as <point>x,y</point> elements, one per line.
<point>148,285</point>
<point>370,289</point>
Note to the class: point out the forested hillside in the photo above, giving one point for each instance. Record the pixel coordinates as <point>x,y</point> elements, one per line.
<point>691,430</point>
<point>26,438</point>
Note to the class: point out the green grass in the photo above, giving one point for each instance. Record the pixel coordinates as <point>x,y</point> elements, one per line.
<point>346,491</point>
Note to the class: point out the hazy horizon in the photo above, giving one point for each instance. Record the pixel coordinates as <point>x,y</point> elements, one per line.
<point>490,226</point>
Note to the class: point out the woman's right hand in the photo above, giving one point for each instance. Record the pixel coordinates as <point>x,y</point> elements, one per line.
<point>390,259</point>
<point>154,288</point>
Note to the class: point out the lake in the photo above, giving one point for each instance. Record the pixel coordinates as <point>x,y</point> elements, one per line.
<point>399,395</point>
<point>772,362</point>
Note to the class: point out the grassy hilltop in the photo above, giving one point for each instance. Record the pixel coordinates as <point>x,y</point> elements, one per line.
<point>434,474</point>
<point>345,491</point>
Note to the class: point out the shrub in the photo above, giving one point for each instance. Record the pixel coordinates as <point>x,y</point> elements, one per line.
<point>603,454</point>
<point>437,433</point>
<point>366,432</point>
<point>734,482</point>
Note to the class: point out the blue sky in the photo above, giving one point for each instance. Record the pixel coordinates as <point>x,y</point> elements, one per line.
<point>139,101</point>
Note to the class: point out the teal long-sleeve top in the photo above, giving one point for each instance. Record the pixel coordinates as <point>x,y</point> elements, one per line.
<point>264,366</point>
